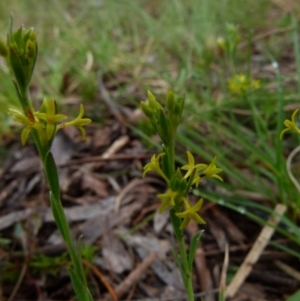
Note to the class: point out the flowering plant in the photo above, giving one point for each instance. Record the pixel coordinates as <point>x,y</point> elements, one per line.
<point>166,120</point>
<point>20,52</point>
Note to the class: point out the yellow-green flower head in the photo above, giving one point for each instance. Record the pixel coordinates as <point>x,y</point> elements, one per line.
<point>151,106</point>
<point>240,83</point>
<point>49,116</point>
<point>190,167</point>
<point>211,171</point>
<point>23,50</point>
<point>154,165</point>
<point>29,122</point>
<point>79,122</point>
<point>190,213</point>
<point>168,199</point>
<point>153,103</point>
<point>290,125</point>
<point>221,42</point>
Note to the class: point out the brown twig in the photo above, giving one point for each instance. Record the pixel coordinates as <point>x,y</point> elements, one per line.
<point>96,271</point>
<point>288,270</point>
<point>135,275</point>
<point>256,250</point>
<point>104,95</point>
<point>19,282</point>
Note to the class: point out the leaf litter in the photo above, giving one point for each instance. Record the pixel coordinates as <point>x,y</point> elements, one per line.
<point>107,203</point>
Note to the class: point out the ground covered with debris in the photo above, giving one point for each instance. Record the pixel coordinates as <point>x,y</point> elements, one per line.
<point>112,210</point>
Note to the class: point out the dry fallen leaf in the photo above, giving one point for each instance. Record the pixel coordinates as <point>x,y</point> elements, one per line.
<point>117,257</point>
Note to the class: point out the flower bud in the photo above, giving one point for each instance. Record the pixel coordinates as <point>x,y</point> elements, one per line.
<point>170,101</point>
<point>31,49</point>
<point>146,109</point>
<point>152,100</point>
<point>22,47</point>
<point>3,49</point>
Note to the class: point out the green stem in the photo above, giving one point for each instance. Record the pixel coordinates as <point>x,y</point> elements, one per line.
<point>188,274</point>
<point>279,146</point>
<point>183,264</point>
<point>60,217</point>
<point>190,182</point>
<point>171,156</point>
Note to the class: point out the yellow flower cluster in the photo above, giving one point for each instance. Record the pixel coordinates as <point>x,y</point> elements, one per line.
<point>240,83</point>
<point>207,171</point>
<point>45,121</point>
<point>176,198</point>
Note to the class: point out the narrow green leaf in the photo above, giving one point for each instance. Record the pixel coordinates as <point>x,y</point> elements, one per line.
<point>78,265</point>
<point>16,65</point>
<point>23,103</point>
<point>170,101</point>
<point>176,222</point>
<point>52,175</point>
<point>180,266</point>
<point>294,297</point>
<point>164,125</point>
<point>57,215</point>
<point>81,291</point>
<point>285,249</point>
<point>222,295</point>
<point>165,163</point>
<point>175,180</point>
<point>193,248</point>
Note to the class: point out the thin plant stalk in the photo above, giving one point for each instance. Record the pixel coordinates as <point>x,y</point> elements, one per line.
<point>165,120</point>
<point>20,52</point>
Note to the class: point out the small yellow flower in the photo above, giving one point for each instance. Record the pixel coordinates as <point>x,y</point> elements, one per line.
<point>28,121</point>
<point>290,125</point>
<point>50,116</point>
<point>79,122</point>
<point>211,171</point>
<point>221,42</point>
<point>240,83</point>
<point>190,167</point>
<point>154,165</point>
<point>191,213</point>
<point>168,199</point>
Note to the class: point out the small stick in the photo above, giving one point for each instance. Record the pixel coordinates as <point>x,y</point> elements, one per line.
<point>19,282</point>
<point>101,278</point>
<point>135,275</point>
<point>104,95</point>
<point>288,270</point>
<point>222,286</point>
<point>256,250</point>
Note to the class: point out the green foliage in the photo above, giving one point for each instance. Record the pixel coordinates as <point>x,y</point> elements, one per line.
<point>88,252</point>
<point>113,34</point>
<point>81,290</point>
<point>193,248</point>
<point>52,265</point>
<point>294,297</point>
